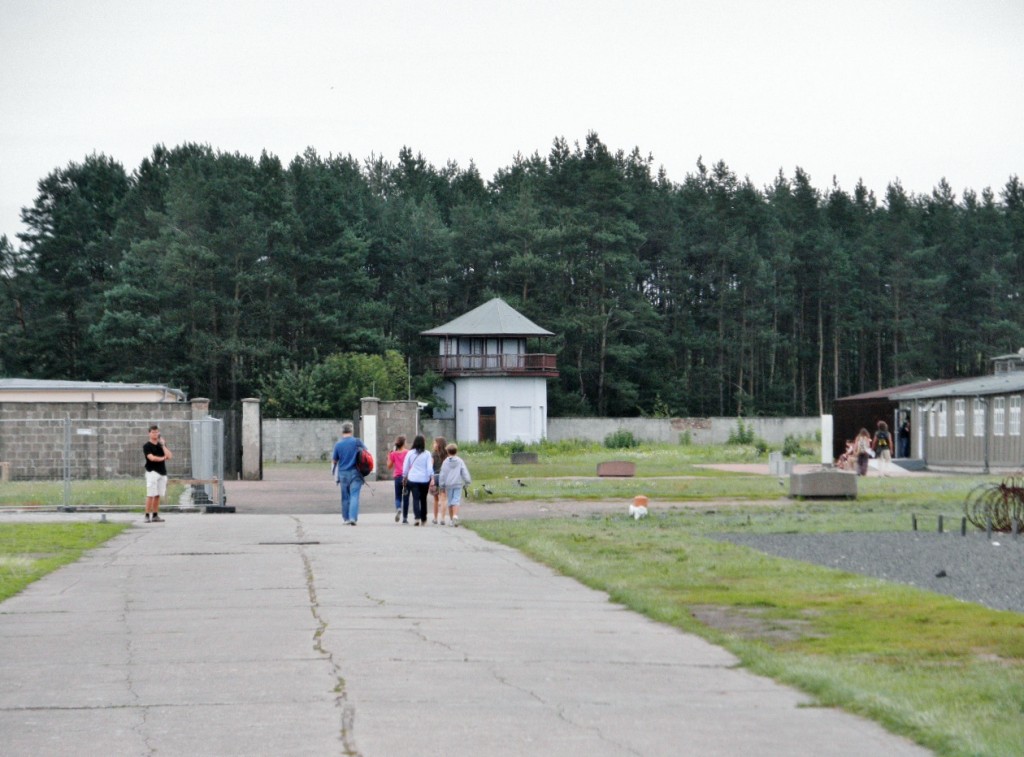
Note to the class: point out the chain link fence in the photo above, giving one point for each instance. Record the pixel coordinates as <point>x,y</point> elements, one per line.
<point>75,463</point>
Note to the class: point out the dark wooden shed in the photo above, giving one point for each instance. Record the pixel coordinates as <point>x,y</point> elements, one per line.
<point>851,414</point>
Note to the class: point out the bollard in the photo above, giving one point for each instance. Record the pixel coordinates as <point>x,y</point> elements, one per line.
<point>940,524</point>
<point>963,526</point>
<point>913,521</point>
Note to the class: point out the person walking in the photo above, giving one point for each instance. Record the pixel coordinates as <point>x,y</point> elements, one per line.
<point>345,473</point>
<point>396,463</point>
<point>438,455</point>
<point>882,445</point>
<point>157,454</point>
<point>862,444</point>
<point>454,476</point>
<point>418,470</point>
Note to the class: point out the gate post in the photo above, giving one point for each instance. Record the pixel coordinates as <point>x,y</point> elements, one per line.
<point>252,441</point>
<point>369,407</point>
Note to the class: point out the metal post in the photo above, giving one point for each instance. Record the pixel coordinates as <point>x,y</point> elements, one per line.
<point>67,460</point>
<point>913,521</point>
<point>221,498</point>
<point>963,526</point>
<point>940,524</point>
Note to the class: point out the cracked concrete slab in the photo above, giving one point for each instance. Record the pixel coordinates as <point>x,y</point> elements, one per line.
<point>238,635</point>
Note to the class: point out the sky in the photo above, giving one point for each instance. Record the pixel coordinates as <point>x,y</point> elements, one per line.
<point>874,90</point>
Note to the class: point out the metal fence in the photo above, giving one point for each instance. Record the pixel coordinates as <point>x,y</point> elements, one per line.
<point>76,462</point>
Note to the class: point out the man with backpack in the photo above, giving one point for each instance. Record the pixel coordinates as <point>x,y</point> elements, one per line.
<point>344,465</point>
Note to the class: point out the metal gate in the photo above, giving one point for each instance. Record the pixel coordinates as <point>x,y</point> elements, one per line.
<point>92,462</point>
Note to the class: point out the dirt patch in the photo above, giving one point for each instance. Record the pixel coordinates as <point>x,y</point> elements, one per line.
<point>752,623</point>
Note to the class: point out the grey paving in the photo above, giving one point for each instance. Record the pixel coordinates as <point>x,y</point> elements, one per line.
<point>296,635</point>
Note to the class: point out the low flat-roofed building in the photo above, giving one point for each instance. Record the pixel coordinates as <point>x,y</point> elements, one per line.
<point>46,390</point>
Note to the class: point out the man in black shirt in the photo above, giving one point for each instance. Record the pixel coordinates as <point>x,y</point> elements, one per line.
<point>157,454</point>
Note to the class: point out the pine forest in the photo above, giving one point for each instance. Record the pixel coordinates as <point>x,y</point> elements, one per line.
<point>700,295</point>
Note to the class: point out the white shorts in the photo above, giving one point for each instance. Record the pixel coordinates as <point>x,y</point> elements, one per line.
<point>156,485</point>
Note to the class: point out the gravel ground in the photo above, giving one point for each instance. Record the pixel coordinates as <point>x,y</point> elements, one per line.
<point>970,567</point>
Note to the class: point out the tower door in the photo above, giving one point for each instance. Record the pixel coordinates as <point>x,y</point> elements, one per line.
<point>487,424</point>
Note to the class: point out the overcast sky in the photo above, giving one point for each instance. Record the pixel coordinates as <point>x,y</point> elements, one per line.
<point>879,90</point>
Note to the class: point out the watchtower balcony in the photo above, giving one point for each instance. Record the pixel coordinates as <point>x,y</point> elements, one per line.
<point>497,364</point>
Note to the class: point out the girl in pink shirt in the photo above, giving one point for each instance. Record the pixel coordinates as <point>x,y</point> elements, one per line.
<point>396,461</point>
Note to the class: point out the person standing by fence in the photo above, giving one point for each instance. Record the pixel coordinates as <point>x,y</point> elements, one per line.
<point>157,454</point>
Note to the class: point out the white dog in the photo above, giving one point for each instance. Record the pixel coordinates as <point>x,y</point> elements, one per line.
<point>638,511</point>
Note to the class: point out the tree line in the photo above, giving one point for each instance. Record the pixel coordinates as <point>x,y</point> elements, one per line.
<point>224,274</point>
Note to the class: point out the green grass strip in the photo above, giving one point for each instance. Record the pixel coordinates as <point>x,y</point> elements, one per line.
<point>28,551</point>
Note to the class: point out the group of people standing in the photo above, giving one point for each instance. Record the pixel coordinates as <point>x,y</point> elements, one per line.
<point>440,474</point>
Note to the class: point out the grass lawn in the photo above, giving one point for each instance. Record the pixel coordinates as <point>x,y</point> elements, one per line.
<point>121,493</point>
<point>28,551</point>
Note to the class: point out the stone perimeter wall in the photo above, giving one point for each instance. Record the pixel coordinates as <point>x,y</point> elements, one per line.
<point>287,440</point>
<point>673,430</point>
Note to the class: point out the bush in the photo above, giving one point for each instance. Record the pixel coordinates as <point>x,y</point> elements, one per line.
<point>685,439</point>
<point>621,439</point>
<point>792,448</point>
<point>743,434</point>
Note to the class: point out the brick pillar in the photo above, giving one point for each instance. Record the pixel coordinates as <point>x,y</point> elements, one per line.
<point>252,441</point>
<point>200,408</point>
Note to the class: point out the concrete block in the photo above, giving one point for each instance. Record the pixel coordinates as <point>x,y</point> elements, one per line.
<point>524,458</point>
<point>823,483</point>
<point>778,465</point>
<point>616,468</point>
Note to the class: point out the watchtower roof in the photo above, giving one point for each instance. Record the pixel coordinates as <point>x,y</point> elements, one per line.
<point>494,318</point>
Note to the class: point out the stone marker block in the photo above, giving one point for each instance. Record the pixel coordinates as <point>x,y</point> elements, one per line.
<point>778,465</point>
<point>524,458</point>
<point>616,469</point>
<point>823,483</point>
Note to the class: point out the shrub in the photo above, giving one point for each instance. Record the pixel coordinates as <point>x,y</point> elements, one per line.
<point>742,434</point>
<point>685,439</point>
<point>621,439</point>
<point>515,446</point>
<point>791,447</point>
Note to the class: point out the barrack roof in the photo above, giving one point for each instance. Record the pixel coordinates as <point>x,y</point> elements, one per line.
<point>23,384</point>
<point>1003,383</point>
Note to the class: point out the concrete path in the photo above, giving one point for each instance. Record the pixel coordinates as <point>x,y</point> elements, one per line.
<point>296,635</point>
